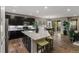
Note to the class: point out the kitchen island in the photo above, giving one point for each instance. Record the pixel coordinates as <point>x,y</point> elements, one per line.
<point>36,36</point>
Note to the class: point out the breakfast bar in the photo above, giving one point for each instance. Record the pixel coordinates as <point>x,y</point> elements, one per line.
<point>36,36</point>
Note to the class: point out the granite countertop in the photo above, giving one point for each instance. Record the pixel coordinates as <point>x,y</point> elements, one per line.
<point>35,36</point>
<point>15,28</point>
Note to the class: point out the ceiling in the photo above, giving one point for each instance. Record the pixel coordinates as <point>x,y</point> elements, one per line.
<point>45,11</point>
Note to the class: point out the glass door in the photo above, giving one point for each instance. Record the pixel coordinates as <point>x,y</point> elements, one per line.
<point>73,24</point>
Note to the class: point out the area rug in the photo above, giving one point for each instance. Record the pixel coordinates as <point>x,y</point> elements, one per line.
<point>76,43</point>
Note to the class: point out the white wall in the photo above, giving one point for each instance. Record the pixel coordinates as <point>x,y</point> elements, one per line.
<point>78,24</point>
<point>2,30</point>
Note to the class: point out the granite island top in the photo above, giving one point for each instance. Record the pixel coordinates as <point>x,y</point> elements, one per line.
<point>36,36</point>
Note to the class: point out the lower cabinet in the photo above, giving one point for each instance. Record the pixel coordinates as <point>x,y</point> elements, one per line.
<point>27,43</point>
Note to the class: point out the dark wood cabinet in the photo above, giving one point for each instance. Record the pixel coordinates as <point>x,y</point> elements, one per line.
<point>27,43</point>
<point>16,20</point>
<point>30,20</point>
<point>19,20</point>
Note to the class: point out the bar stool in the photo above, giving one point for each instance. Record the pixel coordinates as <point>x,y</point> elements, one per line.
<point>41,45</point>
<point>50,40</point>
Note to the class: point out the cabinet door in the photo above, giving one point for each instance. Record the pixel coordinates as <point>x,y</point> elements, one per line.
<point>27,43</point>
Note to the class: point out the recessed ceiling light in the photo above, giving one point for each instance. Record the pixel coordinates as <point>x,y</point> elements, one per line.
<point>68,10</point>
<point>37,11</point>
<point>45,7</point>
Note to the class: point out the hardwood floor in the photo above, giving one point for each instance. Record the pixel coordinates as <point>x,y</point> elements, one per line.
<point>16,46</point>
<point>62,44</point>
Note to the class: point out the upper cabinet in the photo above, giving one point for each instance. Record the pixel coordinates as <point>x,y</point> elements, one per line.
<point>29,20</point>
<point>19,20</point>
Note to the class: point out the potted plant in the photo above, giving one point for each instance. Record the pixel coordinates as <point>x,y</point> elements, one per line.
<point>66,27</point>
